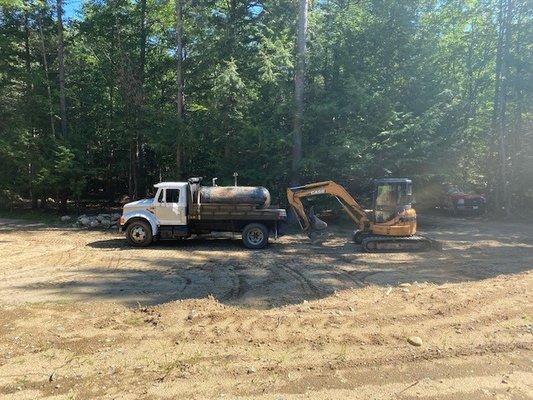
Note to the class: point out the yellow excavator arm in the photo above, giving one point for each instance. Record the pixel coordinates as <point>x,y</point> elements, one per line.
<point>350,205</point>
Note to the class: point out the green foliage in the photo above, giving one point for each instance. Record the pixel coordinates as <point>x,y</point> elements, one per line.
<point>11,3</point>
<point>401,87</point>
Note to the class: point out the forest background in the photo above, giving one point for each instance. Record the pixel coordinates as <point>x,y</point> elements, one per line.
<point>126,93</point>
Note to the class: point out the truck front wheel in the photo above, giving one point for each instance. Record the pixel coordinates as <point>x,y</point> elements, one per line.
<point>255,236</point>
<point>139,233</point>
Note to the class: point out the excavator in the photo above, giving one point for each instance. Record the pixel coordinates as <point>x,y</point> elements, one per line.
<point>389,226</point>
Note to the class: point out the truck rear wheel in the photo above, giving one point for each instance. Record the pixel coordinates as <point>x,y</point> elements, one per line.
<point>255,236</point>
<point>139,233</point>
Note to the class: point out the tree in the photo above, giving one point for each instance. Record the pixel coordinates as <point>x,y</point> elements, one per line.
<point>180,98</point>
<point>437,91</point>
<point>299,88</point>
<point>61,60</point>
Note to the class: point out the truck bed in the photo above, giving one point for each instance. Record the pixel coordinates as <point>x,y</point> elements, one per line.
<point>234,212</point>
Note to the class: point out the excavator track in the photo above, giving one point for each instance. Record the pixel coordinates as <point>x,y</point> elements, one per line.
<point>383,244</point>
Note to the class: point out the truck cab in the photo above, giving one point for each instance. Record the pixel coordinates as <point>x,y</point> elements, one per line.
<point>181,209</point>
<point>170,203</point>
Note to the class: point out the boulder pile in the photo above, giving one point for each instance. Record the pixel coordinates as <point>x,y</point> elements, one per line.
<point>104,221</point>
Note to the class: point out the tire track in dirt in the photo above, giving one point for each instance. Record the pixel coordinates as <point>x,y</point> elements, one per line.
<point>60,259</point>
<point>239,288</point>
<point>307,286</point>
<point>356,276</point>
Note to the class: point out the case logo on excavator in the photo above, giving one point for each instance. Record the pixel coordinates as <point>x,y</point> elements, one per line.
<point>317,191</point>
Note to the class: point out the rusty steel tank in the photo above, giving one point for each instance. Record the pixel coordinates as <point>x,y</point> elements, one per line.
<point>256,195</point>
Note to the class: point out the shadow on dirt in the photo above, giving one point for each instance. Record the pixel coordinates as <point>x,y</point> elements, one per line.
<point>285,273</point>
<point>211,243</point>
<point>289,271</point>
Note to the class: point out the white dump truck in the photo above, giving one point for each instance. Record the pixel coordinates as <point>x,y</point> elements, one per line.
<point>182,209</point>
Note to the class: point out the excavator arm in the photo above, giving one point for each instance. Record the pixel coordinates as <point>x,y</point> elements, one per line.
<point>350,205</point>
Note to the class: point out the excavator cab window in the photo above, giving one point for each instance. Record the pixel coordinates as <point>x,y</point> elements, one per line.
<point>391,195</point>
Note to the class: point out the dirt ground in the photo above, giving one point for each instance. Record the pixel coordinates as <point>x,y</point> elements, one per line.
<point>85,316</point>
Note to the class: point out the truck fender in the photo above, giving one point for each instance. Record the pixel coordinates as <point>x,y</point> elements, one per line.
<point>148,216</point>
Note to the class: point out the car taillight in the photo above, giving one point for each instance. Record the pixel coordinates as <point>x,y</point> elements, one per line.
<point>122,220</point>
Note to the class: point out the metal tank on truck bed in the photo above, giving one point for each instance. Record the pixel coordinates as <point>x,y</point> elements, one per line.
<point>256,195</point>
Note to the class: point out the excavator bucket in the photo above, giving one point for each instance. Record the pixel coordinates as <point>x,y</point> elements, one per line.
<point>317,231</point>
<point>316,223</point>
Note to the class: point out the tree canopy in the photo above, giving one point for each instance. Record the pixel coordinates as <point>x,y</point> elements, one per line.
<point>429,89</point>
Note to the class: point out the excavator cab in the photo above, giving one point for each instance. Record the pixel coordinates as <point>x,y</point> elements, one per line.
<point>391,197</point>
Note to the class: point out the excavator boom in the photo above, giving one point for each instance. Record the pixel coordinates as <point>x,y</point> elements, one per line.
<point>350,205</point>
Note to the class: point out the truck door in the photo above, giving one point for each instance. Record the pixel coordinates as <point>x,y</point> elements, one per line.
<point>172,207</point>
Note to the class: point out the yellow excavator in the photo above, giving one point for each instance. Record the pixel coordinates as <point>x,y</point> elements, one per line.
<point>389,226</point>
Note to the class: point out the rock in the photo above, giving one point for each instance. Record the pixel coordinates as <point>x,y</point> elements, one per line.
<point>106,223</point>
<point>84,221</point>
<point>102,217</point>
<point>9,199</point>
<point>415,341</point>
<point>94,223</point>
<point>405,284</point>
<point>115,216</point>
<point>405,290</point>
<point>65,218</point>
<point>251,370</point>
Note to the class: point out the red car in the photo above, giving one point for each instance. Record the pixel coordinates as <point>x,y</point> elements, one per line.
<point>457,201</point>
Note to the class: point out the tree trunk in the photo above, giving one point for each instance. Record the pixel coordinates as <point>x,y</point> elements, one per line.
<point>179,58</point>
<point>47,75</point>
<point>27,60</point>
<point>517,146</point>
<point>133,184</point>
<point>139,139</point>
<point>503,199</point>
<point>299,87</point>
<point>180,101</point>
<point>29,111</point>
<point>61,58</point>
<point>142,44</point>
<point>504,145</point>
